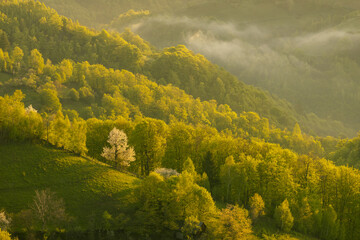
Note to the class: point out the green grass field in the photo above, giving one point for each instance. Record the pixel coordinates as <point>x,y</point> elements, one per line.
<point>87,186</point>
<point>4,77</point>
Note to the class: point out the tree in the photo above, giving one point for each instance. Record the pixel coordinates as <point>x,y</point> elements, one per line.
<point>48,210</point>
<point>4,235</point>
<point>58,129</point>
<point>17,56</point>
<point>119,152</point>
<point>178,146</point>
<point>329,225</point>
<point>77,136</point>
<point>283,216</point>
<point>211,170</point>
<point>49,100</point>
<point>18,123</point>
<point>4,221</point>
<point>189,167</point>
<point>86,94</point>
<point>233,223</point>
<point>227,176</point>
<point>74,95</point>
<point>4,41</point>
<point>149,141</point>
<point>36,61</point>
<point>176,203</point>
<point>191,226</point>
<point>305,218</point>
<point>257,206</point>
<point>3,61</point>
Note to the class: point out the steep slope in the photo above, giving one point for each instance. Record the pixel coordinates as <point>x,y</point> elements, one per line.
<point>31,25</point>
<point>302,51</point>
<point>87,186</point>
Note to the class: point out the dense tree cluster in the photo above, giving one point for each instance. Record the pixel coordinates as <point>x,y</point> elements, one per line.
<point>96,91</point>
<point>347,152</point>
<point>18,123</point>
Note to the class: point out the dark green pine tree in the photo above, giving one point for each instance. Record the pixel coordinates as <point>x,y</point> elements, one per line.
<point>4,41</point>
<point>211,170</point>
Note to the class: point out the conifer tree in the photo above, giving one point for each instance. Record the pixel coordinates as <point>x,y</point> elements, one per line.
<point>257,206</point>
<point>189,167</point>
<point>4,41</point>
<point>305,218</point>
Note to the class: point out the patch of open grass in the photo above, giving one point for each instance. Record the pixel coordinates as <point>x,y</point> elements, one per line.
<point>4,77</point>
<point>266,226</point>
<point>87,186</point>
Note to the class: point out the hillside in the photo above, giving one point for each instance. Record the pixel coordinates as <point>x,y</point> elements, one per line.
<point>82,112</point>
<point>313,193</point>
<point>303,51</point>
<point>87,186</point>
<point>32,25</point>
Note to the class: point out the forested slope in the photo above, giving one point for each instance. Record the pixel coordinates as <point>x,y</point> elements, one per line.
<point>317,197</point>
<point>198,159</point>
<point>57,38</point>
<point>303,51</point>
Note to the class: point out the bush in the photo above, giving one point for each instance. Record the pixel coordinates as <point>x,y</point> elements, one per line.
<point>74,95</point>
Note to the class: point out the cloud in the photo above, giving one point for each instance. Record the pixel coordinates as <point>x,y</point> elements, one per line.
<point>329,41</point>
<point>251,49</point>
<point>225,29</point>
<point>240,55</point>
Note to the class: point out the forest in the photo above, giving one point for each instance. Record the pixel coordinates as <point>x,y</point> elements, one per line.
<point>304,51</point>
<point>104,135</point>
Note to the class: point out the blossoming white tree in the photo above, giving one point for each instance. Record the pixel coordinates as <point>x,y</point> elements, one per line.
<point>30,109</point>
<point>119,152</point>
<point>4,221</point>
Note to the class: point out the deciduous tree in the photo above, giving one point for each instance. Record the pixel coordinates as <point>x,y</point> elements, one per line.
<point>48,210</point>
<point>283,216</point>
<point>257,206</point>
<point>119,152</point>
<point>149,141</point>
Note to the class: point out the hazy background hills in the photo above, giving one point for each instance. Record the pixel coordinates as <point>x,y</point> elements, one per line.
<point>303,51</point>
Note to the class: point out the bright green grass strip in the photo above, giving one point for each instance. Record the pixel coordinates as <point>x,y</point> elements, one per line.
<point>4,77</point>
<point>87,186</point>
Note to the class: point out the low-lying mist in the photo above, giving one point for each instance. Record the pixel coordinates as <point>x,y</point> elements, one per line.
<point>311,69</point>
